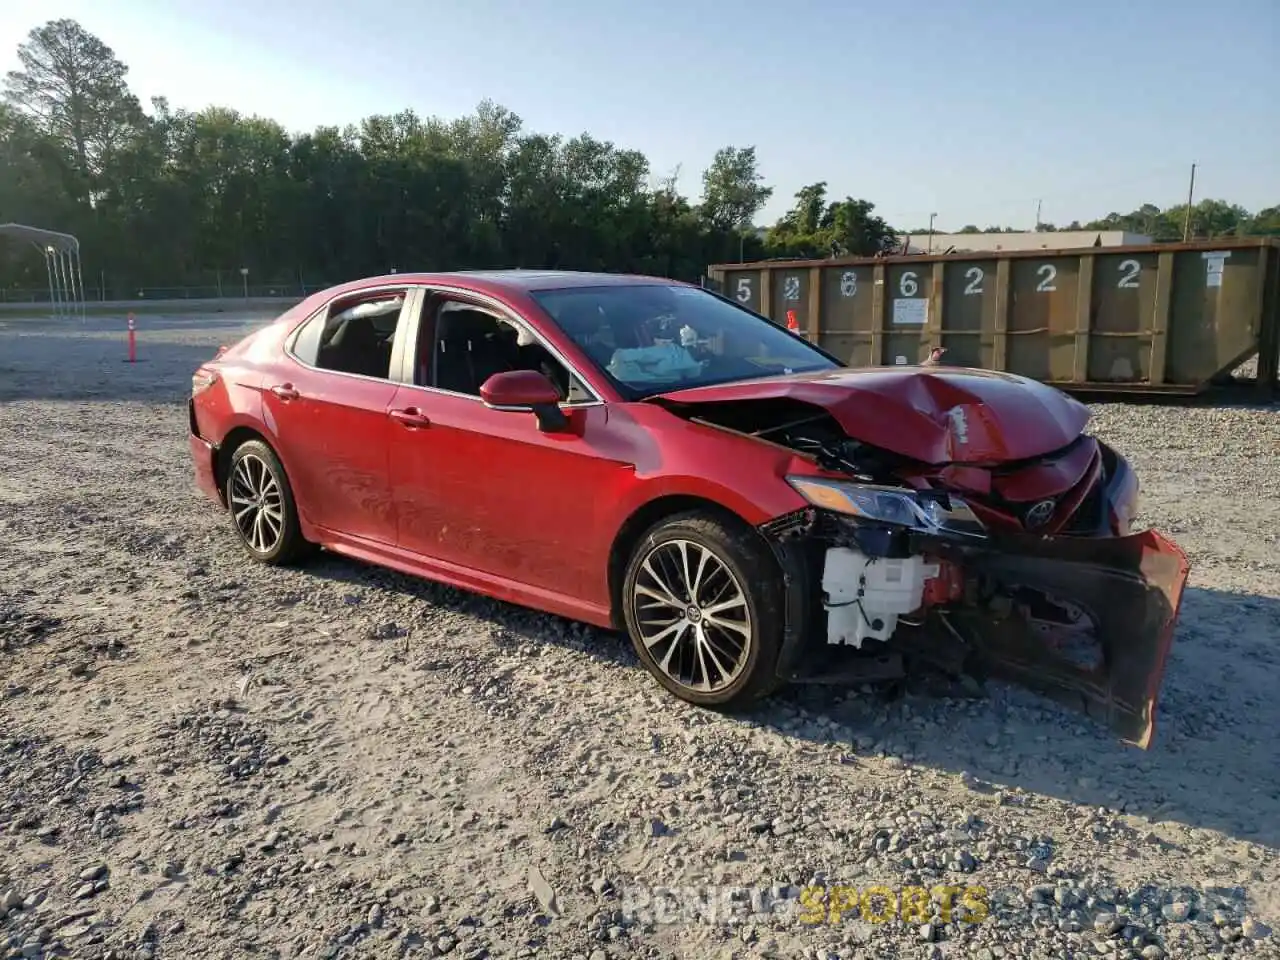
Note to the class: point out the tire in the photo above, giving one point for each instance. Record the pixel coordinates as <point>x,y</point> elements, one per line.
<point>746,564</point>
<point>254,463</point>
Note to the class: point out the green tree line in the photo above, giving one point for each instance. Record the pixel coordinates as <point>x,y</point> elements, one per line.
<point>171,198</point>
<point>1209,219</point>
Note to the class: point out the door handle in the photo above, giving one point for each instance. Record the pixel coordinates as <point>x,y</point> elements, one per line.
<point>285,391</point>
<point>410,417</point>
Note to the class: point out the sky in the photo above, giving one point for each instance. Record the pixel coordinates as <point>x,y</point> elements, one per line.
<point>973,110</point>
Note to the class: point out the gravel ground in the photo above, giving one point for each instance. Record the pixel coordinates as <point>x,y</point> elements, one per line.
<point>201,757</point>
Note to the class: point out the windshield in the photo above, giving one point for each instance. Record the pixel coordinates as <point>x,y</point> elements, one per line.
<point>651,338</point>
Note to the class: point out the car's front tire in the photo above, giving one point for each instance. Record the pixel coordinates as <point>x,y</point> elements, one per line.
<point>263,511</point>
<point>703,602</point>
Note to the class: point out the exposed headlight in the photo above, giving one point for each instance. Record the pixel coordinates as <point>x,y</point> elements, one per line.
<point>923,512</point>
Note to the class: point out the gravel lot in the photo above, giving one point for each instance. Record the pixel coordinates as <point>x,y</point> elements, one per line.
<point>201,757</point>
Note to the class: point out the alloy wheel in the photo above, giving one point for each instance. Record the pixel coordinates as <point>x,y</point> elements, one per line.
<point>257,503</point>
<point>692,616</point>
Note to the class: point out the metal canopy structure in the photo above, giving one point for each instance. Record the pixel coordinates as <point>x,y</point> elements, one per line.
<point>61,252</point>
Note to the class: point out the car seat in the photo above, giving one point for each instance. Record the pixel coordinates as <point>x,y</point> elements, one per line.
<point>470,348</point>
<point>582,320</point>
<point>534,356</point>
<point>356,347</point>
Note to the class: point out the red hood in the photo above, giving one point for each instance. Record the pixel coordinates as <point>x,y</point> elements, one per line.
<point>935,415</point>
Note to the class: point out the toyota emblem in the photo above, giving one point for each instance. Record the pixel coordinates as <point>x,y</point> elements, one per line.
<point>1040,513</point>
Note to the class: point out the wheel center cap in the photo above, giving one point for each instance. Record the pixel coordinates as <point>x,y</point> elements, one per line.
<point>693,613</point>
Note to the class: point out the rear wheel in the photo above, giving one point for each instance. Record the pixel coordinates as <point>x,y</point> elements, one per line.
<point>702,599</point>
<point>262,508</point>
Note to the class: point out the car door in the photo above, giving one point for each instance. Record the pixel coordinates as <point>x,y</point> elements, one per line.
<point>486,489</point>
<point>328,406</point>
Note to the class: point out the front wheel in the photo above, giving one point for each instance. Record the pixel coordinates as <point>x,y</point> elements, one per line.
<point>702,600</point>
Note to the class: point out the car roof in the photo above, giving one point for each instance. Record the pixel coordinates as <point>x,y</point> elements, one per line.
<point>511,281</point>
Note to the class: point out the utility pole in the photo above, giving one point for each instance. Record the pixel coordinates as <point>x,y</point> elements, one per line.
<point>1186,220</point>
<point>930,248</point>
<point>1038,202</point>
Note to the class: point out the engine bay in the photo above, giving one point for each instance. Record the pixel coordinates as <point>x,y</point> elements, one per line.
<point>808,430</point>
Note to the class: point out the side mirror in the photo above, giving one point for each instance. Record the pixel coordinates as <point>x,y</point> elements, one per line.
<point>525,390</point>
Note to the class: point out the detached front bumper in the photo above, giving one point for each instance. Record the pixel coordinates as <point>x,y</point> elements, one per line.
<point>1129,587</point>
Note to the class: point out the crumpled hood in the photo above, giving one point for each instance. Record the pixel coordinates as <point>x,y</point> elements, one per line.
<point>932,414</point>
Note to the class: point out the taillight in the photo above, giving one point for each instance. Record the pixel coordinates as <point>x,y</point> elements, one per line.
<point>202,380</point>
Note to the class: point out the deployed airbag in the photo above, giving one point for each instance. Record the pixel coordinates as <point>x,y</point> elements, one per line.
<point>665,363</point>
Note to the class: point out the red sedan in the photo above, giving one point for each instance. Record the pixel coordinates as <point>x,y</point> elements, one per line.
<point>646,455</point>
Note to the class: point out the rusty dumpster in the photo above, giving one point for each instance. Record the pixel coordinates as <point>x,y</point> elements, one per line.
<point>1166,318</point>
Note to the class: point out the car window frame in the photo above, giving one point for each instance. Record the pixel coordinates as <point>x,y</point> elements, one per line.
<point>395,368</point>
<point>488,304</point>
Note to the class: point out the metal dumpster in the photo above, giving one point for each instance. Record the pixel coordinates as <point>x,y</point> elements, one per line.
<point>1167,318</point>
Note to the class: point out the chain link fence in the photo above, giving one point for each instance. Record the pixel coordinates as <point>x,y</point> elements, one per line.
<point>250,291</point>
<point>204,284</point>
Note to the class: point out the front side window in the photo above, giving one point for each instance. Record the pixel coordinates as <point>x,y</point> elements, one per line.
<point>651,338</point>
<point>472,343</point>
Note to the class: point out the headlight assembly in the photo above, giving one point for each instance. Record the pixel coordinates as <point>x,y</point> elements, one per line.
<point>920,511</point>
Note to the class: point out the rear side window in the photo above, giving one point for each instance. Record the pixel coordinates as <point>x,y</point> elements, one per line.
<point>354,335</point>
<point>306,342</point>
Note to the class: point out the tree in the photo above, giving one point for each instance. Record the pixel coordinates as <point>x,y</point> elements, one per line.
<point>179,198</point>
<point>732,189</point>
<point>856,231</point>
<point>34,184</point>
<point>72,86</point>
<point>1209,218</point>
<point>33,178</point>
<point>816,228</point>
<point>1265,223</point>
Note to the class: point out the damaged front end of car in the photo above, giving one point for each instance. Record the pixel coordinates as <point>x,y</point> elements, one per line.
<point>993,539</point>
<point>1085,621</point>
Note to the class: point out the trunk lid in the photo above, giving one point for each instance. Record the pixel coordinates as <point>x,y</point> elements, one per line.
<point>933,415</point>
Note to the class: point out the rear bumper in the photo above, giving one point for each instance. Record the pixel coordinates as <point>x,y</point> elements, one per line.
<point>202,459</point>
